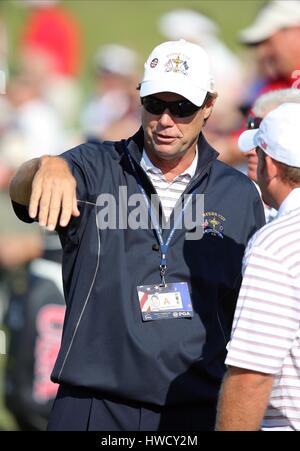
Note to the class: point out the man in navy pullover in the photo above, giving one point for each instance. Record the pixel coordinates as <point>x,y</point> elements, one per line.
<point>149,299</point>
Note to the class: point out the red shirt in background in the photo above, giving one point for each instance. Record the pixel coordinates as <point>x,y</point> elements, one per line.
<point>54,31</point>
<point>292,82</point>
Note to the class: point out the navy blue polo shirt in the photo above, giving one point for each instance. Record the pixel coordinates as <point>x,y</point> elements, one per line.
<point>106,347</point>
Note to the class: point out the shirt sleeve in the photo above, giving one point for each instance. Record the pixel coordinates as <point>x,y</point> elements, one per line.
<point>85,164</point>
<point>75,160</point>
<point>267,315</point>
<point>21,211</point>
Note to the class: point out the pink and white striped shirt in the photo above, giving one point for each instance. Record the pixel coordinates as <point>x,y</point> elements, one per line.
<point>266,328</point>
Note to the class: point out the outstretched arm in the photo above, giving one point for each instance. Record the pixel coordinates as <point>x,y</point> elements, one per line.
<point>47,186</point>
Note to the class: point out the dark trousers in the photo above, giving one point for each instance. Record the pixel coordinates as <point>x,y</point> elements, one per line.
<point>79,409</point>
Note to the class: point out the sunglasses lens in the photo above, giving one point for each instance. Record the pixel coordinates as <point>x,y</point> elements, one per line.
<point>153,105</point>
<point>182,108</point>
<point>253,122</point>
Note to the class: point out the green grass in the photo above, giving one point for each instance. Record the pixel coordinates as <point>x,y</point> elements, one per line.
<point>132,23</point>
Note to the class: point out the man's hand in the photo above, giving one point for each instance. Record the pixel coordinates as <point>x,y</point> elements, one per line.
<point>48,187</point>
<point>53,193</point>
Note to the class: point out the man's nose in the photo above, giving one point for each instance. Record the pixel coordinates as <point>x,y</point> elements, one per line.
<point>166,119</point>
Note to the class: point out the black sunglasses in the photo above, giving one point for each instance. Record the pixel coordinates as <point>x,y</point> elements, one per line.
<point>253,122</point>
<point>178,108</point>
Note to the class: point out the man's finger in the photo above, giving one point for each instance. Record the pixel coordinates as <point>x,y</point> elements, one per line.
<point>75,211</point>
<point>44,206</point>
<point>34,200</point>
<point>67,208</point>
<point>54,209</point>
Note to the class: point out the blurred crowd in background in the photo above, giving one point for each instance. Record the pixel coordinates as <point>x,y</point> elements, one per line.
<point>43,110</point>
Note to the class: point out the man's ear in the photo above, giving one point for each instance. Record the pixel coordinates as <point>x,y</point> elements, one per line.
<point>271,167</point>
<point>209,104</point>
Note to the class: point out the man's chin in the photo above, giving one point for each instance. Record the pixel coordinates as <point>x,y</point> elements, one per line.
<point>166,152</point>
<point>166,157</point>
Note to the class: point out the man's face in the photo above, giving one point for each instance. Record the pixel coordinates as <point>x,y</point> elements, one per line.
<point>262,177</point>
<point>252,161</point>
<point>168,137</point>
<point>253,122</point>
<point>279,55</point>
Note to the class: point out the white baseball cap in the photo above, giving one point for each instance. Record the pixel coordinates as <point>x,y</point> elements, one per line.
<point>273,17</point>
<point>277,135</point>
<point>180,67</point>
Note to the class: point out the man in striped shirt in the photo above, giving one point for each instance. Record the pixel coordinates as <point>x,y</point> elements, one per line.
<point>261,389</point>
<point>261,107</point>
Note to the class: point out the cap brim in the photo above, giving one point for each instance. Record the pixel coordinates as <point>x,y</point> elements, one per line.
<point>187,91</point>
<point>247,140</point>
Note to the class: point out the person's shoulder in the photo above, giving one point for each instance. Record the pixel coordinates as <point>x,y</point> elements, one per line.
<point>97,146</point>
<point>272,236</point>
<point>240,179</point>
<point>260,242</point>
<point>95,150</point>
<point>269,235</point>
<point>93,164</point>
<point>229,170</point>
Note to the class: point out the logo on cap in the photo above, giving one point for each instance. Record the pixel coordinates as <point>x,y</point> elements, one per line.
<point>263,144</point>
<point>154,63</point>
<point>177,65</point>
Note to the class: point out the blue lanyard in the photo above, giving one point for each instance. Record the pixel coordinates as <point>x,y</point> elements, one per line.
<point>164,246</point>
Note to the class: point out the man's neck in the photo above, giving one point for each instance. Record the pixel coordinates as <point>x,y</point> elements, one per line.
<point>283,194</point>
<point>173,167</point>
